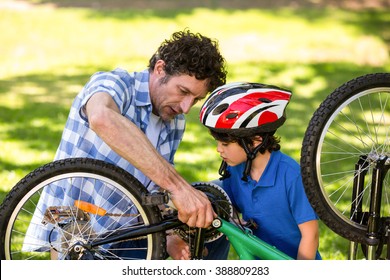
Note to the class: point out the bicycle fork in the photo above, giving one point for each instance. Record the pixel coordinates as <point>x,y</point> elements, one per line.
<point>373,216</point>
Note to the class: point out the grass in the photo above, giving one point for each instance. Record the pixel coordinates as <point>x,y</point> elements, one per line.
<point>49,54</point>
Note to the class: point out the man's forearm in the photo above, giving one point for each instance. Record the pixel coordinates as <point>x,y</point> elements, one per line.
<point>128,141</point>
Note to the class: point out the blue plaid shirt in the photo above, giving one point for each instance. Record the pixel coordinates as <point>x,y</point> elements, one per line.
<point>130,91</point>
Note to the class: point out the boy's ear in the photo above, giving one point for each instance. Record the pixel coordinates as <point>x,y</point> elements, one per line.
<point>257,140</point>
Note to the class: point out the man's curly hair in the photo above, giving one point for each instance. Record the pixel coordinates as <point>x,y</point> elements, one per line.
<point>194,55</point>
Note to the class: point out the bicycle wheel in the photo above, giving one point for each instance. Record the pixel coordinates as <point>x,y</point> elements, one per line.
<point>30,229</point>
<point>352,123</point>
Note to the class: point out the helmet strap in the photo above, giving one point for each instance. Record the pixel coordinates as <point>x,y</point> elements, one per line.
<point>251,154</point>
<point>223,171</point>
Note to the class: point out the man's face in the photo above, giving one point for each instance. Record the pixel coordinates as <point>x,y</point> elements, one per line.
<point>175,95</point>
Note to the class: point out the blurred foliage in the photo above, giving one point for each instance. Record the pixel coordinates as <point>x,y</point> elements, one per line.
<point>54,47</point>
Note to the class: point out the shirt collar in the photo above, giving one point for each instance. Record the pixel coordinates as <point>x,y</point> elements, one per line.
<point>142,94</point>
<point>268,178</point>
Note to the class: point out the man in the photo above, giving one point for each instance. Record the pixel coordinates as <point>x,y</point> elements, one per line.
<point>135,120</point>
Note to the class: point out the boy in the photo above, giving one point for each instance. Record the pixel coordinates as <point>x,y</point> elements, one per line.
<point>263,184</point>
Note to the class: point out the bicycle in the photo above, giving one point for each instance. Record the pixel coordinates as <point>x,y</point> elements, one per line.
<point>137,224</point>
<point>347,143</point>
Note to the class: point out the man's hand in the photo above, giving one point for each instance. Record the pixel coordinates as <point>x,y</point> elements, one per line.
<point>194,208</point>
<point>177,248</point>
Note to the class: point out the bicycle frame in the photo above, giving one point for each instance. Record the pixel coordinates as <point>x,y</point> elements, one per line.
<point>72,235</point>
<point>247,246</point>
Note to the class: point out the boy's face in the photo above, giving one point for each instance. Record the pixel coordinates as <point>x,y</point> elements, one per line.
<point>232,153</point>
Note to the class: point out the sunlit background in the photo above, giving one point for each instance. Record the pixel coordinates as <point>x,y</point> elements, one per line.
<point>49,49</point>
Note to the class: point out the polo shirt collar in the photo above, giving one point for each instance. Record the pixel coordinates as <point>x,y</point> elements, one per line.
<point>268,178</point>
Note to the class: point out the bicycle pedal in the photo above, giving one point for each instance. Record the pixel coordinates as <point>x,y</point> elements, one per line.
<point>156,198</point>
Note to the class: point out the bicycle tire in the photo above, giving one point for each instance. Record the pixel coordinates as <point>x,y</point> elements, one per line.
<point>105,179</point>
<point>353,120</point>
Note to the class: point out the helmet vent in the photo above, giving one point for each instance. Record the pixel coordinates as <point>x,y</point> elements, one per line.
<point>265,100</point>
<point>220,109</point>
<point>232,115</point>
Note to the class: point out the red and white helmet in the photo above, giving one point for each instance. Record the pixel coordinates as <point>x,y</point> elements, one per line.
<point>235,107</point>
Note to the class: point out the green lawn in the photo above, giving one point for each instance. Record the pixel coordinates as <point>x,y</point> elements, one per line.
<point>49,54</point>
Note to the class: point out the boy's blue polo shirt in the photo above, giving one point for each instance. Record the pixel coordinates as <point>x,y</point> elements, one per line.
<point>277,203</point>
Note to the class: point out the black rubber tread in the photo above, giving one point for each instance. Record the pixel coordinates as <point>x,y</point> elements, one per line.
<point>88,165</point>
<point>309,147</point>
